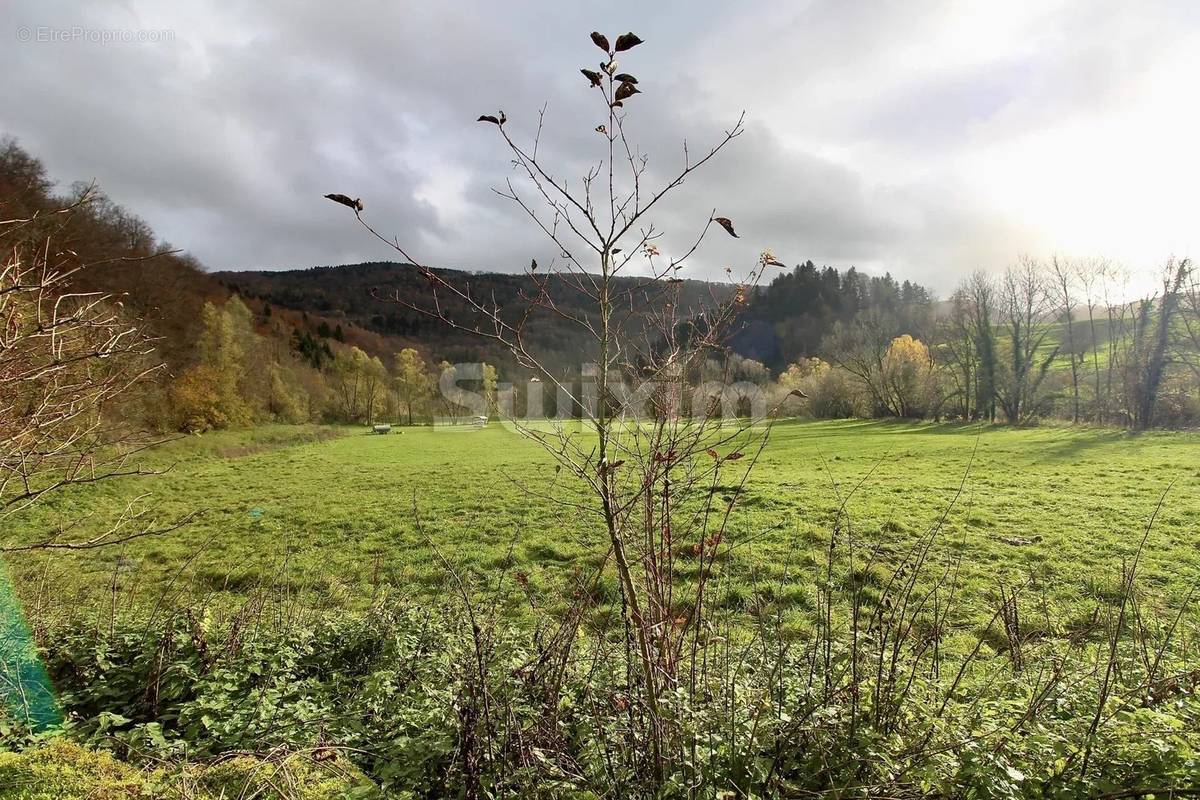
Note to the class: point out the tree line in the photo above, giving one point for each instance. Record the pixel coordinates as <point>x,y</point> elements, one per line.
<point>1060,338</point>
<point>241,377</point>
<point>1057,338</point>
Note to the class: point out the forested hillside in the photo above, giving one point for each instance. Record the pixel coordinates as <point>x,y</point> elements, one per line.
<point>792,317</point>
<point>380,297</point>
<point>107,249</point>
<point>783,321</point>
<point>214,362</point>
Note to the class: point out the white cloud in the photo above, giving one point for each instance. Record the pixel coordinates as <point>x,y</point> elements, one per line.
<point>929,138</point>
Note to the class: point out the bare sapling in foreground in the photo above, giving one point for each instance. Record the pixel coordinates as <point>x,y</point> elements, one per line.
<point>651,448</point>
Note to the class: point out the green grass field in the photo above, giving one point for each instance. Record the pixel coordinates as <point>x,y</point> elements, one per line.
<point>326,516</point>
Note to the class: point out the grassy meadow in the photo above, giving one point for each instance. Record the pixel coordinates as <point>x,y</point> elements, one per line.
<point>332,517</point>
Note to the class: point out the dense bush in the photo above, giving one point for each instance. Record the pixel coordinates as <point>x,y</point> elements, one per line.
<point>831,392</point>
<point>431,704</point>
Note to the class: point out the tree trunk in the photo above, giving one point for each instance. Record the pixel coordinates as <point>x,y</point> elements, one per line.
<point>1156,358</point>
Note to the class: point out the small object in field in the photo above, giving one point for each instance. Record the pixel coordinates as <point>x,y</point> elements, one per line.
<point>356,204</point>
<point>626,91</point>
<point>727,224</point>
<point>627,41</point>
<point>256,513</point>
<point>1019,541</point>
<point>488,118</point>
<point>600,40</point>
<point>712,453</point>
<point>625,77</point>
<point>481,421</point>
<point>595,78</point>
<point>382,428</point>
<point>734,456</point>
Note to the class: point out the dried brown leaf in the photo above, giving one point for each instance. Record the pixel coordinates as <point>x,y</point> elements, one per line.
<point>727,224</point>
<point>356,204</point>
<point>626,91</point>
<point>627,41</point>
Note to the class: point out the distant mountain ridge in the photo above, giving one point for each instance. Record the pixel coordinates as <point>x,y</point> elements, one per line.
<point>782,321</point>
<point>373,296</point>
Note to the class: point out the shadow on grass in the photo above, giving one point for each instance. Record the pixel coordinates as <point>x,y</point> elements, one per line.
<point>1082,441</point>
<point>802,428</point>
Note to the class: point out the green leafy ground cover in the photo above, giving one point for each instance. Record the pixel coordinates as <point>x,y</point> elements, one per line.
<point>333,520</point>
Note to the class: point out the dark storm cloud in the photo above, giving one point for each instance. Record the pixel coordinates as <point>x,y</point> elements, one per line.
<point>226,134</point>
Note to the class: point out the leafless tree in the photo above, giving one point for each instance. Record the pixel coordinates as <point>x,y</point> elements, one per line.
<point>1120,313</point>
<point>955,347</point>
<point>1088,273</point>
<point>979,302</point>
<point>1190,314</point>
<point>650,448</point>
<point>1024,304</point>
<point>1064,274</point>
<point>68,362</point>
<point>1152,340</point>
<point>860,347</point>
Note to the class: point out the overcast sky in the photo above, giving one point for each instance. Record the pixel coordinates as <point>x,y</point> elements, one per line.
<point>924,138</point>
